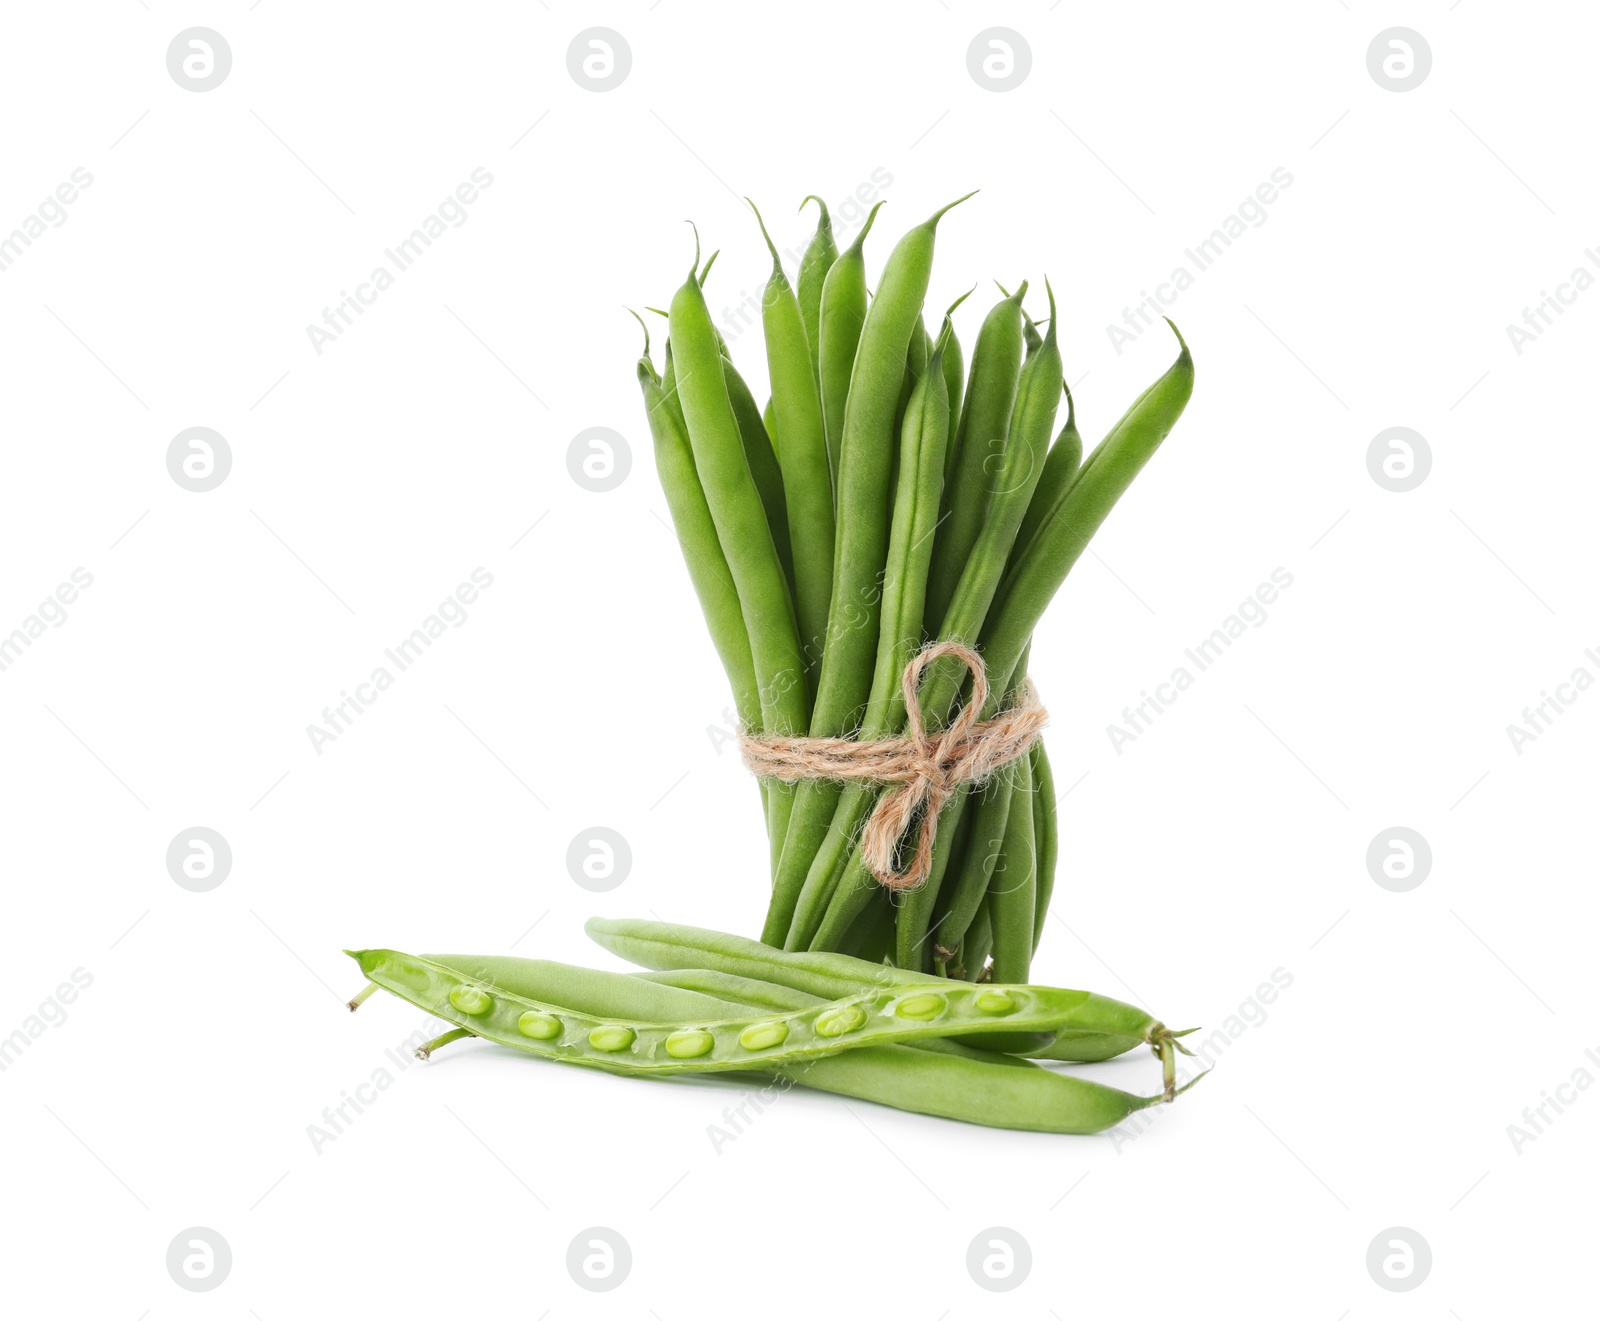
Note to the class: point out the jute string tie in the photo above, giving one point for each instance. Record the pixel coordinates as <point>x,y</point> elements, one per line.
<point>925,768</point>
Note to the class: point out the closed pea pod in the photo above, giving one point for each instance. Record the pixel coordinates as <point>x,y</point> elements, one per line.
<point>1061,470</point>
<point>1047,843</point>
<point>741,522</point>
<point>841,313</point>
<point>1013,888</point>
<point>697,538</point>
<point>802,451</point>
<point>1065,529</point>
<point>923,436</point>
<point>985,420</point>
<point>820,254</point>
<point>1098,1029</point>
<point>860,543</point>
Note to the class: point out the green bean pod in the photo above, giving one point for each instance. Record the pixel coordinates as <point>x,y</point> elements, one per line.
<point>820,254</point>
<point>915,947</point>
<point>976,944</point>
<point>841,315</point>
<point>1061,470</point>
<point>955,381</point>
<point>547,1028</point>
<point>743,527</point>
<point>1014,884</point>
<point>761,455</point>
<point>702,553</point>
<point>1100,1028</point>
<point>1064,531</point>
<point>861,542</point>
<point>923,436</point>
<point>964,895</point>
<point>985,421</point>
<point>1047,842</point>
<point>802,452</point>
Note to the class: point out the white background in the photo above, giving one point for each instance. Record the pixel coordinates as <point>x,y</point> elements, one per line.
<point>431,439</point>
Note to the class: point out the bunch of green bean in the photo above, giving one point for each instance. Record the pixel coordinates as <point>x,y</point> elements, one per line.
<point>885,498</point>
<point>825,1021</point>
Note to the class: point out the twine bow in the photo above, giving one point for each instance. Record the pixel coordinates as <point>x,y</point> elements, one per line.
<point>926,768</point>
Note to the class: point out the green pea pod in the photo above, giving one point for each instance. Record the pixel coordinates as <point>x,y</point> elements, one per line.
<point>552,1030</point>
<point>914,946</point>
<point>923,436</point>
<point>1012,482</point>
<point>841,314</point>
<point>765,471</point>
<point>1100,1029</point>
<point>820,254</point>
<point>1047,843</point>
<point>985,420</point>
<point>1061,470</point>
<point>802,451</point>
<point>1064,531</point>
<point>861,539</point>
<point>1014,886</point>
<point>743,528</point>
<point>702,553</point>
<point>977,943</point>
<point>956,913</point>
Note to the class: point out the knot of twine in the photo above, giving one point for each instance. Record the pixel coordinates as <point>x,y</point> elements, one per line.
<point>926,768</point>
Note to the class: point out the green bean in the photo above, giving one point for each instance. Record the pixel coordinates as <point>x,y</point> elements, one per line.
<point>913,948</point>
<point>1100,1028</point>
<point>1013,888</point>
<point>958,909</point>
<point>1061,469</point>
<point>916,364</point>
<point>802,449</point>
<point>550,1029</point>
<point>731,987</point>
<point>1012,489</point>
<point>761,454</point>
<point>1047,843</point>
<point>743,528</point>
<point>923,436</point>
<point>985,419</point>
<point>955,380</point>
<point>975,945</point>
<point>1066,529</point>
<point>842,312</point>
<point>861,541</point>
<point>697,538</point>
<point>820,254</point>
<point>1032,419</point>
<point>588,990</point>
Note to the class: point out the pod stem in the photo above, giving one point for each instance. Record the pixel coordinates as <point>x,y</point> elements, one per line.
<point>444,1039</point>
<point>1164,1044</point>
<point>360,997</point>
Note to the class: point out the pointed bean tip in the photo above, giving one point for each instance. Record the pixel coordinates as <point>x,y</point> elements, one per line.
<point>1183,344</point>
<point>771,246</point>
<point>695,264</point>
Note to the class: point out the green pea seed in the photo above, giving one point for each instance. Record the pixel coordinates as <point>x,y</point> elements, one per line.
<point>611,1037</point>
<point>541,1027</point>
<point>920,1007</point>
<point>470,1000</point>
<point>764,1036</point>
<point>836,1022</point>
<point>689,1042</point>
<point>995,1002</point>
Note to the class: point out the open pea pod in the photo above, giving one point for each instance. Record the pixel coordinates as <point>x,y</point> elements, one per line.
<point>875,1016</point>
